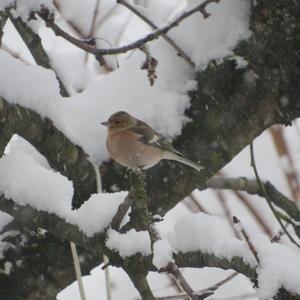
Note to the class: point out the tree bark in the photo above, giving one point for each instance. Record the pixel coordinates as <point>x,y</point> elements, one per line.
<point>230,108</point>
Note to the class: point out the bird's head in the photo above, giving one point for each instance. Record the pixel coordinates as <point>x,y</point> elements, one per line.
<point>119,121</point>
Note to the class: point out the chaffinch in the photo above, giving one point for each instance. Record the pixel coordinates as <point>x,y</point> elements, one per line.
<point>134,144</point>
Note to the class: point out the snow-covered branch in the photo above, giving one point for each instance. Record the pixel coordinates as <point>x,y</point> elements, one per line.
<point>34,219</point>
<point>60,152</point>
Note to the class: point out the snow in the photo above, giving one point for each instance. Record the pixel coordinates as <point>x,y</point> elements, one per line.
<point>209,235</point>
<point>79,117</point>
<point>94,286</point>
<point>23,166</point>
<point>23,8</point>
<point>162,254</point>
<point>217,35</point>
<point>53,192</point>
<point>17,143</point>
<point>129,243</point>
<point>97,212</point>
<point>6,3</point>
<point>95,94</point>
<point>279,268</point>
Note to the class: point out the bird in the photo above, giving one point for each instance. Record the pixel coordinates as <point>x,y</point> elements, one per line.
<point>135,145</point>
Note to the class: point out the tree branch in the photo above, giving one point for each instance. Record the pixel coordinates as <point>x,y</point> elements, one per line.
<point>171,42</point>
<point>33,219</point>
<point>34,45</point>
<point>44,14</point>
<point>251,186</point>
<point>141,284</point>
<point>60,152</point>
<point>3,18</point>
<point>231,106</point>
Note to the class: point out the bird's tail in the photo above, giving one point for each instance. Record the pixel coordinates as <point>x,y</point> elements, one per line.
<point>183,160</point>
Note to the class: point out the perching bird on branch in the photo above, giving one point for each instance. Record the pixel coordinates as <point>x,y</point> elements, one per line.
<point>134,144</point>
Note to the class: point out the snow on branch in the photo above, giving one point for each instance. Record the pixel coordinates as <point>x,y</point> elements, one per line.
<point>60,152</point>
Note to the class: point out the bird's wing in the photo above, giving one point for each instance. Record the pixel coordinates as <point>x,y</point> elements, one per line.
<point>149,136</point>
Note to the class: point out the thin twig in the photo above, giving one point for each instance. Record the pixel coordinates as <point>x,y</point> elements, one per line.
<point>105,258</point>
<point>238,225</point>
<point>171,42</point>
<point>202,292</point>
<point>49,21</point>
<point>255,213</point>
<point>190,293</point>
<point>77,270</point>
<point>93,24</point>
<point>284,153</point>
<point>251,186</point>
<point>262,187</point>
<point>235,184</point>
<point>192,203</point>
<point>174,270</point>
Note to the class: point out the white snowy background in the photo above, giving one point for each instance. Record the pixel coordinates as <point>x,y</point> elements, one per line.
<point>96,92</point>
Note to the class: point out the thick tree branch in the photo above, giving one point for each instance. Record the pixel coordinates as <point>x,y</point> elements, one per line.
<point>62,155</point>
<point>232,106</point>
<point>135,265</point>
<point>34,219</point>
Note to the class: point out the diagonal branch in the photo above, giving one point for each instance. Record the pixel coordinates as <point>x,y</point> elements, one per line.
<point>171,42</point>
<point>34,45</point>
<point>268,199</point>
<point>60,152</point>
<point>33,219</point>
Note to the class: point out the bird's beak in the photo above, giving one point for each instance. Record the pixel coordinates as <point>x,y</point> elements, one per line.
<point>106,123</point>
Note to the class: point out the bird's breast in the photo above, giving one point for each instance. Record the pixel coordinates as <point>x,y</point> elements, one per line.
<point>125,149</point>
